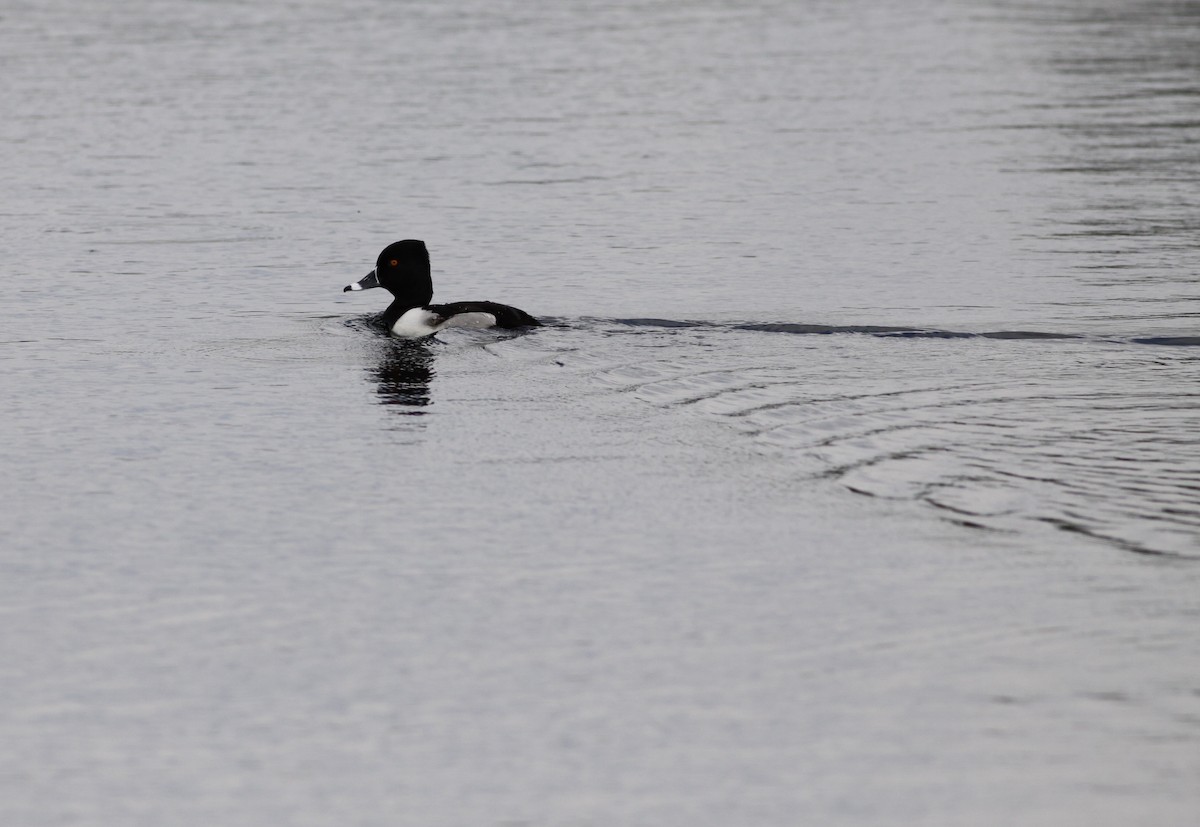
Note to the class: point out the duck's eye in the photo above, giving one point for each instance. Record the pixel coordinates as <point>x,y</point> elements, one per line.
<point>394,262</point>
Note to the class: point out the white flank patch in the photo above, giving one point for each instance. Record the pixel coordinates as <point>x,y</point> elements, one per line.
<point>477,319</point>
<point>416,323</point>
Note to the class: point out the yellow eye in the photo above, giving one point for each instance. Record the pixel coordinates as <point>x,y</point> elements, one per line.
<point>394,262</point>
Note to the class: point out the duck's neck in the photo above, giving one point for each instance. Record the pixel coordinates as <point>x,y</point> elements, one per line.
<point>418,292</point>
<point>396,309</point>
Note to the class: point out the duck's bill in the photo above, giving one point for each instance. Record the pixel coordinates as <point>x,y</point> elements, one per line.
<point>366,283</point>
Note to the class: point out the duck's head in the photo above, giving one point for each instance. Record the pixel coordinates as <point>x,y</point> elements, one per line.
<point>402,269</point>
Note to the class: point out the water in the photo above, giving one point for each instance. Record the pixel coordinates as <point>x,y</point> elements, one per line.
<point>853,479</point>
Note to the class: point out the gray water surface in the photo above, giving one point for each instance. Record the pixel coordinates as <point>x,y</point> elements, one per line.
<point>853,479</point>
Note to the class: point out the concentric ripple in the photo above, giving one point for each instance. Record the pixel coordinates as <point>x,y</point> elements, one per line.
<point>1095,437</point>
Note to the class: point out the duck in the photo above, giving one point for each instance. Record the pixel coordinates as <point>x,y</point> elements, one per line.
<point>402,269</point>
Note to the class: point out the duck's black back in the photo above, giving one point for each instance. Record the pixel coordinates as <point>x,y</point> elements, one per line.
<point>506,316</point>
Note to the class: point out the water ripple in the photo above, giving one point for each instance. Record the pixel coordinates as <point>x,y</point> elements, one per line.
<point>1002,430</point>
<point>911,332</point>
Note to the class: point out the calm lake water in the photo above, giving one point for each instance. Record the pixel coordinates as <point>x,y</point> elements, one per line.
<point>854,479</point>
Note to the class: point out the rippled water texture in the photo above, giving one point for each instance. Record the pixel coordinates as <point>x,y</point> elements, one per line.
<point>853,479</point>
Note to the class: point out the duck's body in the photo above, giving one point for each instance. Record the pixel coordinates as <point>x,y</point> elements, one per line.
<point>422,321</point>
<point>403,270</point>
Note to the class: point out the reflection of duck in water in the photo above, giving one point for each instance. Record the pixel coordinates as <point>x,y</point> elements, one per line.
<point>403,374</point>
<point>403,270</point>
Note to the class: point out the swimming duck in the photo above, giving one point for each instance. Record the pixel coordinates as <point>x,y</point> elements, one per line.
<point>402,269</point>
